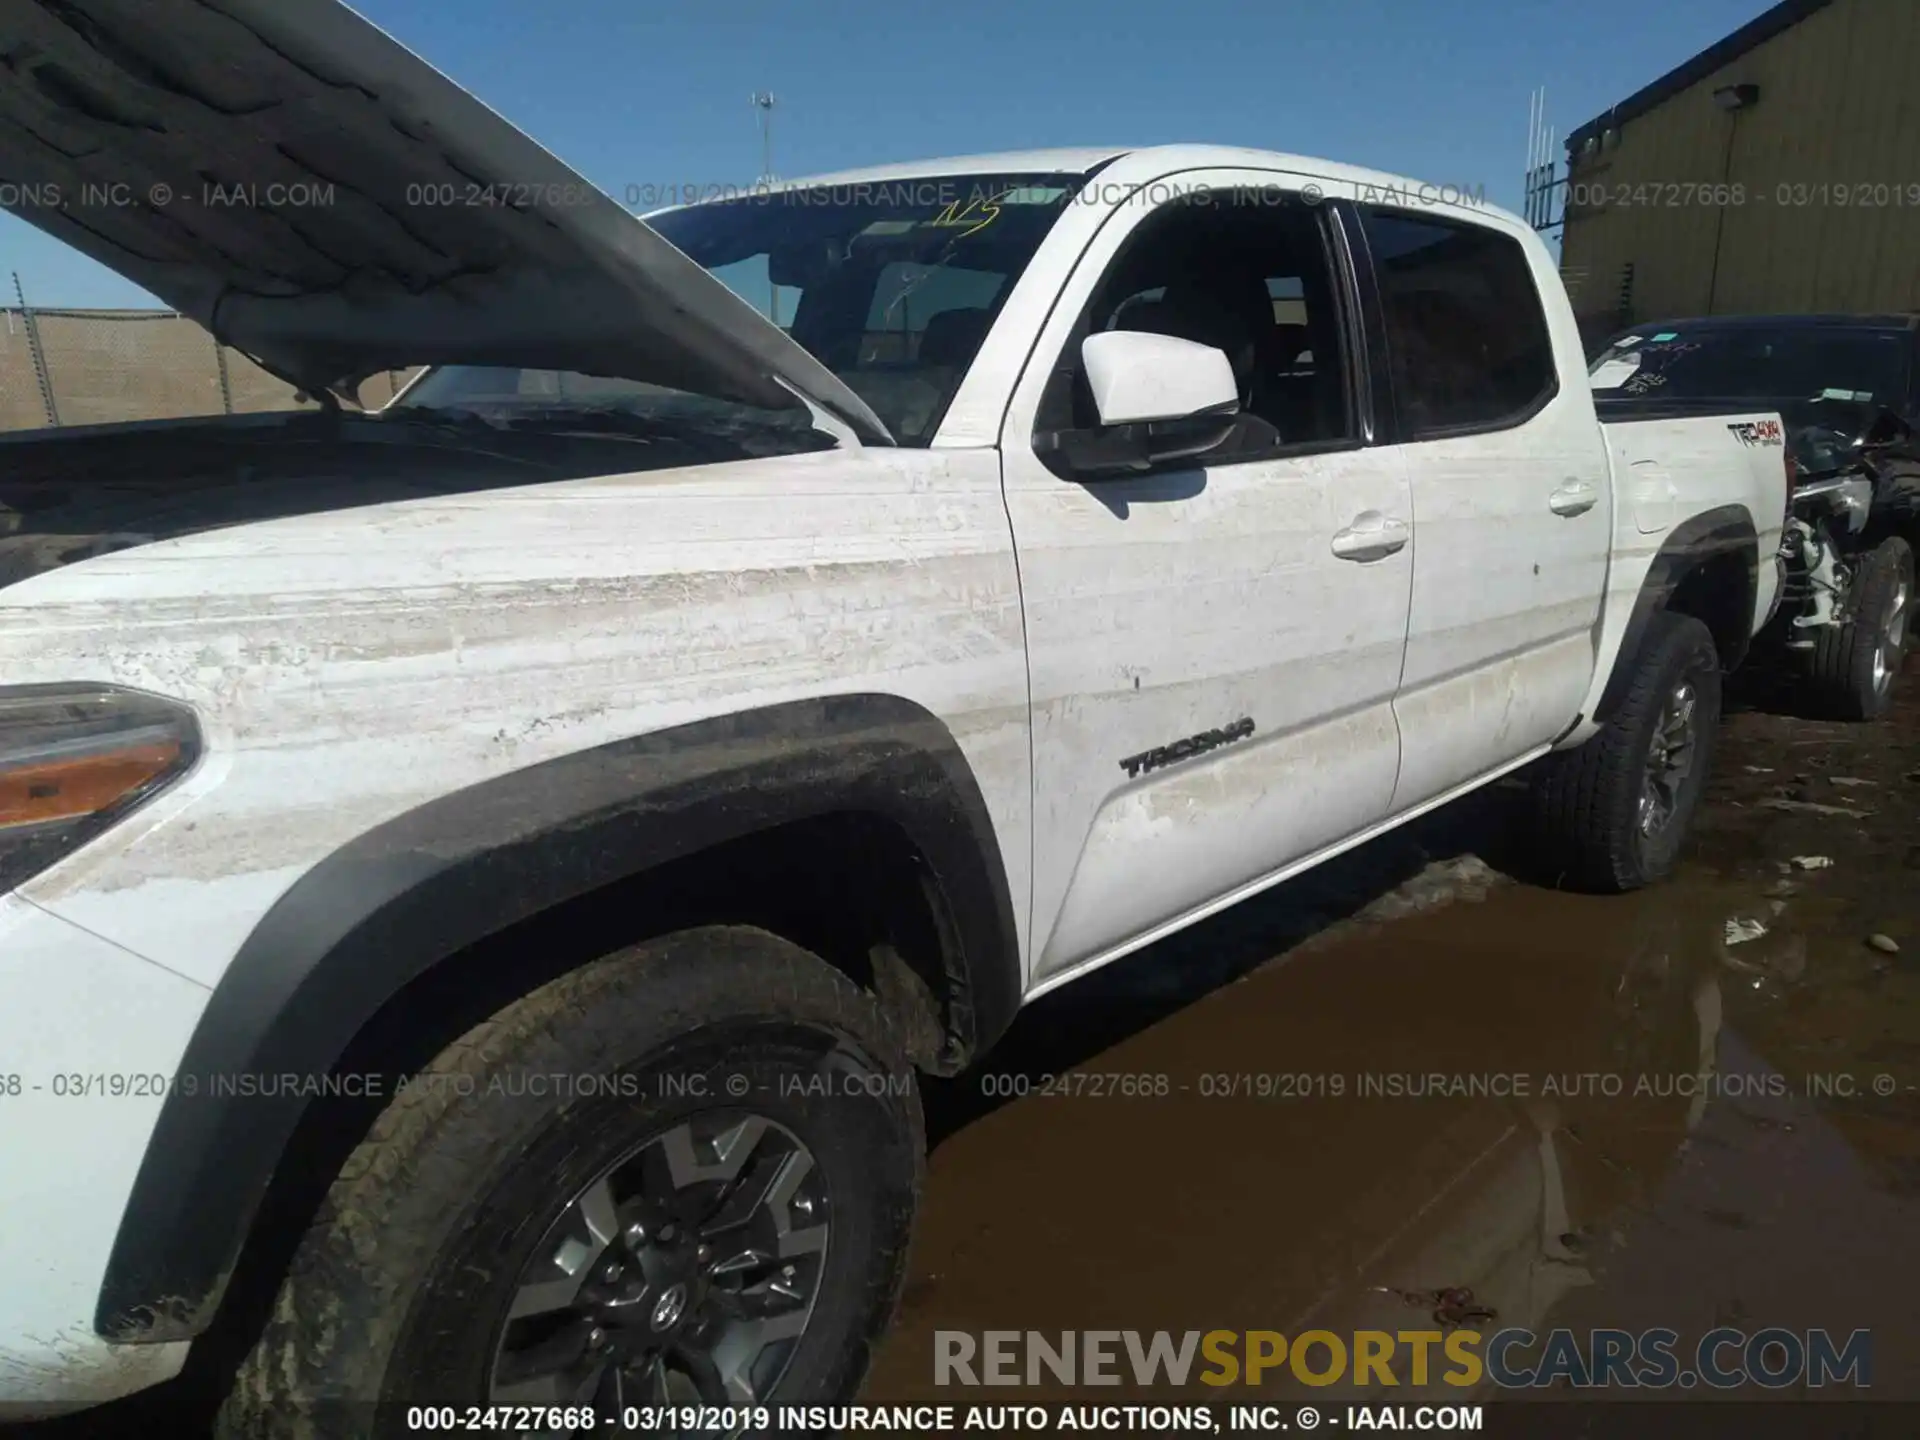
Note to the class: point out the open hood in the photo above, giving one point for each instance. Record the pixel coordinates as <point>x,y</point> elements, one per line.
<point>325,201</point>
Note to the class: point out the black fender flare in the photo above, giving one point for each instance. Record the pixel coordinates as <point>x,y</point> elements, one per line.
<point>386,907</point>
<point>1724,530</point>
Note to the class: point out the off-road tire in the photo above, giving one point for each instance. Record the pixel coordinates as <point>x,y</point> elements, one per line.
<point>398,1291</point>
<point>1847,683</point>
<point>1586,801</point>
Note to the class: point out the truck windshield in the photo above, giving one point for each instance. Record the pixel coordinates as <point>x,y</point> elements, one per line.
<point>1753,363</point>
<point>890,284</point>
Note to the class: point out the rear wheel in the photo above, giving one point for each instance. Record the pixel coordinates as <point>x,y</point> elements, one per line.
<point>684,1175</point>
<point>1854,665</point>
<point>1610,815</point>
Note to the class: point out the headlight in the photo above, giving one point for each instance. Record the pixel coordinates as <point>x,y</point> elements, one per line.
<point>76,758</point>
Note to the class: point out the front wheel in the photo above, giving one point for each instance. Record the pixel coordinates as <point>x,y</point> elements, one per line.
<point>1854,665</point>
<point>682,1176</point>
<point>1610,815</point>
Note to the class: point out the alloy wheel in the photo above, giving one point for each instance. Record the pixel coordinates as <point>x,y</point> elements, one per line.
<point>1670,757</point>
<point>683,1274</point>
<point>1893,637</point>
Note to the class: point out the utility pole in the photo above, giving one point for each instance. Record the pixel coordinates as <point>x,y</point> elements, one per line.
<point>763,101</point>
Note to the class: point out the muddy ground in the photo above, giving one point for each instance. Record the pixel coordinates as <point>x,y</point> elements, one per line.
<point>1709,1134</point>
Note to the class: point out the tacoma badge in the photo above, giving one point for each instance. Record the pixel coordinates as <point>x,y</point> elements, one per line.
<point>1186,749</point>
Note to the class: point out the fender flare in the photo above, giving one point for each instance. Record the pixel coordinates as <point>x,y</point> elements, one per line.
<point>1724,530</point>
<point>386,907</point>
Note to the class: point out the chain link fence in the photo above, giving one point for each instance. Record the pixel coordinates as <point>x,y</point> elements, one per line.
<point>94,367</point>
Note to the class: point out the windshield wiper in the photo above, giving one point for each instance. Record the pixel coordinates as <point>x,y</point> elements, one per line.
<point>615,423</point>
<point>596,419</point>
<point>727,432</point>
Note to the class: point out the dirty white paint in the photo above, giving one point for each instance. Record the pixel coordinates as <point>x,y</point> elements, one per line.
<point>1484,716</point>
<point>1225,818</point>
<point>1226,900</point>
<point>1161,607</point>
<point>1155,611</point>
<point>1653,496</point>
<point>1705,467</point>
<point>1177,616</point>
<point>350,666</point>
<point>353,665</point>
<point>86,1020</point>
<point>1506,591</point>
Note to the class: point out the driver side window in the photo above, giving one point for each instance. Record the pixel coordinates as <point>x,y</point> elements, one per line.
<point>1248,272</point>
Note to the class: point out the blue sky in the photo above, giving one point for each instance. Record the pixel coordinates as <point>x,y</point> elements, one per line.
<point>657,95</point>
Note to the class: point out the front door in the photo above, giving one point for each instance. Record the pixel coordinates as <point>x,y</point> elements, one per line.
<point>1214,647</point>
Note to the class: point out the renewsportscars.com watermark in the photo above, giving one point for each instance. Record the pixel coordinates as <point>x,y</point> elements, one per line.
<point>1774,1358</point>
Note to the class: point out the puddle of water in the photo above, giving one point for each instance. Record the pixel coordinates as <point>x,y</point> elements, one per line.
<point>1663,1129</point>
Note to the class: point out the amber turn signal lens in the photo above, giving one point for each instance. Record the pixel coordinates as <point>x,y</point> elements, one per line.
<point>75,760</point>
<point>68,789</point>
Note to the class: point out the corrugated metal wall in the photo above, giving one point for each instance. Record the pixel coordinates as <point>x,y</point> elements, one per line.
<point>1828,160</point>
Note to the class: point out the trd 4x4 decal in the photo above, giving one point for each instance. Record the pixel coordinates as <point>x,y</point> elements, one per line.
<point>1758,432</point>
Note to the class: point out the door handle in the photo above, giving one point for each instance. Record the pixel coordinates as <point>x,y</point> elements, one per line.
<point>1371,536</point>
<point>1576,497</point>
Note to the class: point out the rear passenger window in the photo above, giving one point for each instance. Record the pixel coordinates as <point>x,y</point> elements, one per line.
<point>1465,329</point>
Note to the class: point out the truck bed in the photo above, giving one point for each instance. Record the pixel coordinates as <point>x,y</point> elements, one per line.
<point>1670,461</point>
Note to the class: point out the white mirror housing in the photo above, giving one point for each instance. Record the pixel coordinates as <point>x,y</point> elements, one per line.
<point>1137,377</point>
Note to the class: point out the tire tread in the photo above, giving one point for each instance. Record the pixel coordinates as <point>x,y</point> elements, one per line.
<point>313,1353</point>
<point>1582,815</point>
<point>1841,665</point>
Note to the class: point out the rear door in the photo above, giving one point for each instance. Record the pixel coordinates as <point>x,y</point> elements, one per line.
<point>1512,505</point>
<point>1209,599</point>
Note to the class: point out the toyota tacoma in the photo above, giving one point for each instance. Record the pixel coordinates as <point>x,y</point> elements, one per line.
<point>486,876</point>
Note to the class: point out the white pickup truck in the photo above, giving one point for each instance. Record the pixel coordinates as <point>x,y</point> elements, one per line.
<point>478,880</point>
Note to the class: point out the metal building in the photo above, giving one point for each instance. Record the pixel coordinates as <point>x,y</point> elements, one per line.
<point>1778,170</point>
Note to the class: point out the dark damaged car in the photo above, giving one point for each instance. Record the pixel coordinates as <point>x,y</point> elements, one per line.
<point>1847,388</point>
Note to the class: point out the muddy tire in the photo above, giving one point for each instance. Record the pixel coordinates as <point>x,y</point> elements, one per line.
<point>720,1195</point>
<point>1853,666</point>
<point>1610,815</point>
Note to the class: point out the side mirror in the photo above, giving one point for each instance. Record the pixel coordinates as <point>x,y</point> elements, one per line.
<point>1138,378</point>
<point>1159,398</point>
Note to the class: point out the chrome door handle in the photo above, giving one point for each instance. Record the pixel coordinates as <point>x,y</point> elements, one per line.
<point>1371,536</point>
<point>1576,497</point>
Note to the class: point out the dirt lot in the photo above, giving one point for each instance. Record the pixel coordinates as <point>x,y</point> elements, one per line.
<point>1710,1134</point>
<point>1250,1126</point>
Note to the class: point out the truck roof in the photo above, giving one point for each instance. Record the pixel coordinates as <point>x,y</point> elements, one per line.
<point>1066,160</point>
<point>1140,164</point>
